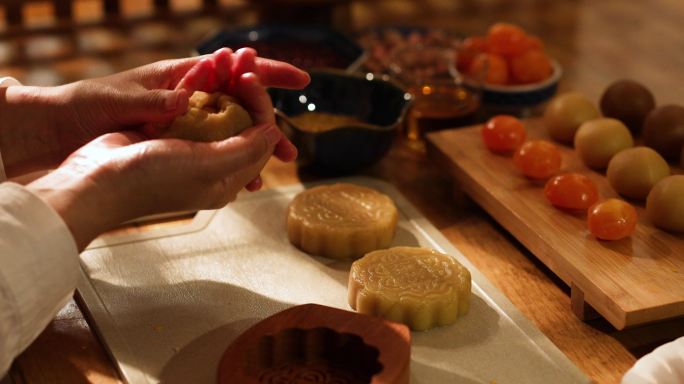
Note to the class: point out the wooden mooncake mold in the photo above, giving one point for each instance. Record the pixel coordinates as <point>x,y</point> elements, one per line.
<point>313,343</point>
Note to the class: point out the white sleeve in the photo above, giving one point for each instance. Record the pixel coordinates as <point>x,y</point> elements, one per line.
<point>664,365</point>
<point>38,268</point>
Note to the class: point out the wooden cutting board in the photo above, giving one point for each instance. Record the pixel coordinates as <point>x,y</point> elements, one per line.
<point>629,282</point>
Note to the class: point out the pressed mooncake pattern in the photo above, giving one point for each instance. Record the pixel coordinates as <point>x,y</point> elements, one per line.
<point>418,287</point>
<point>341,221</point>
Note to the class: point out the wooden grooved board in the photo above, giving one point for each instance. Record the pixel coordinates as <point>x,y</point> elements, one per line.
<point>629,282</point>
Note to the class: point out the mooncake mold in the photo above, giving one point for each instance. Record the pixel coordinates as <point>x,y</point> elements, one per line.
<point>316,344</point>
<point>341,221</point>
<point>210,117</point>
<point>419,287</point>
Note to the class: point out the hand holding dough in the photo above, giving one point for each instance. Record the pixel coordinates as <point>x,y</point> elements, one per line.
<point>210,117</point>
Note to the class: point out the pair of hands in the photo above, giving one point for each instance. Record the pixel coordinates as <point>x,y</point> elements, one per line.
<point>123,174</point>
<point>141,96</point>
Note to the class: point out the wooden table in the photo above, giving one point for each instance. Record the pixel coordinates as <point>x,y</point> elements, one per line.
<point>596,42</point>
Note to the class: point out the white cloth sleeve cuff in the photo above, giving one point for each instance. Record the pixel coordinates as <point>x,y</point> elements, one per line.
<point>664,365</point>
<point>5,82</point>
<point>39,268</point>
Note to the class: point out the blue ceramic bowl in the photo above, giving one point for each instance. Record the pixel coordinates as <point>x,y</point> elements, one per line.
<point>378,103</point>
<point>306,47</point>
<point>520,96</point>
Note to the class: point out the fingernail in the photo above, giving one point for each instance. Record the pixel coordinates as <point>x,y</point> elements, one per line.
<point>272,134</point>
<point>224,49</point>
<point>246,50</point>
<point>251,76</point>
<point>254,185</point>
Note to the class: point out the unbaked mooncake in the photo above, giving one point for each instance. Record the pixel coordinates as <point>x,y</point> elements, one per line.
<point>419,287</point>
<point>341,221</point>
<point>210,117</point>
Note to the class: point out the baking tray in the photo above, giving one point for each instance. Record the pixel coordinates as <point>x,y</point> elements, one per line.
<point>168,303</point>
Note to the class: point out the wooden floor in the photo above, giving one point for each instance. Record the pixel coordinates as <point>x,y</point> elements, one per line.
<point>596,42</point>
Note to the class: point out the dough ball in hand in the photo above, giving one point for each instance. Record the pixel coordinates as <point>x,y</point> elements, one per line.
<point>210,117</point>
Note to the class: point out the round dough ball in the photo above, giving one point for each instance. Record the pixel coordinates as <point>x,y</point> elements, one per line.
<point>664,131</point>
<point>565,113</point>
<point>665,204</point>
<point>629,102</point>
<point>634,171</point>
<point>598,140</point>
<point>210,117</point>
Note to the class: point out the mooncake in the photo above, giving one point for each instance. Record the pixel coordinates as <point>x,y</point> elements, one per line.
<point>419,287</point>
<point>210,117</point>
<point>341,221</point>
